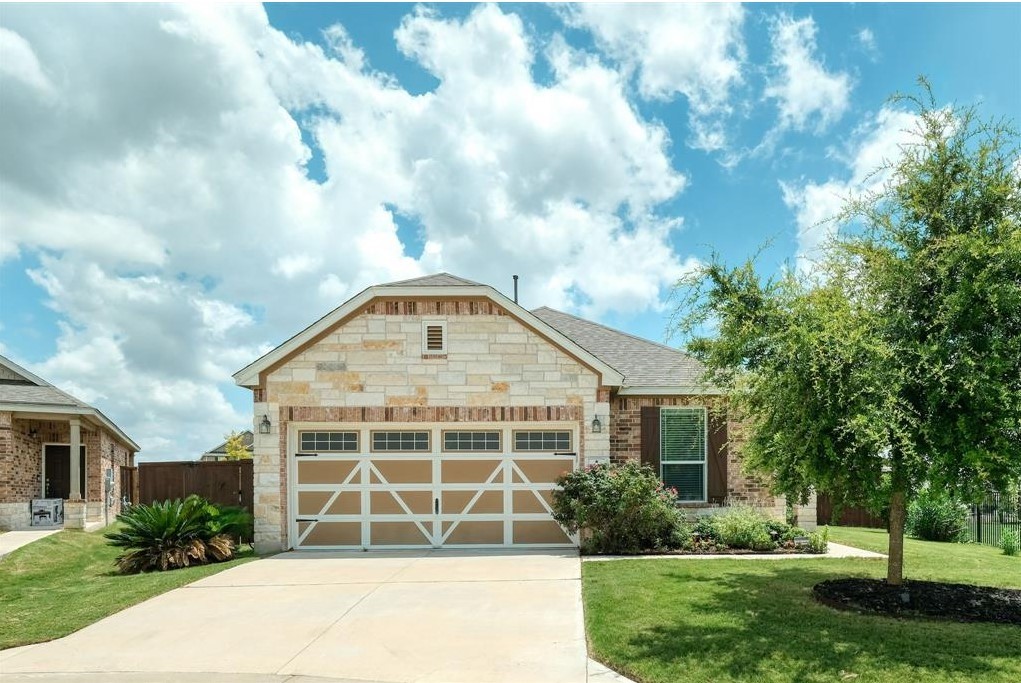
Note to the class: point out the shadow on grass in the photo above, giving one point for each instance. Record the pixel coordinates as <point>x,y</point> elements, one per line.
<point>765,625</point>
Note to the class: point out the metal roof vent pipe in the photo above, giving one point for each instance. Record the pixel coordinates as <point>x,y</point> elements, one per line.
<point>515,288</point>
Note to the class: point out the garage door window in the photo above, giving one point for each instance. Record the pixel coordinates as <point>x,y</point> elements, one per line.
<point>400,442</point>
<point>542,441</point>
<point>329,442</point>
<point>471,441</point>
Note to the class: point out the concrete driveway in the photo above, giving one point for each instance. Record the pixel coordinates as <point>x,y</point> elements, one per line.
<point>471,617</point>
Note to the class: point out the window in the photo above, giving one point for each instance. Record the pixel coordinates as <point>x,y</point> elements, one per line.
<point>329,441</point>
<point>434,338</point>
<point>400,441</point>
<point>542,441</point>
<point>471,441</point>
<point>682,455</point>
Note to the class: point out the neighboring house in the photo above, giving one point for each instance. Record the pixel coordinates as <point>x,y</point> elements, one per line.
<point>438,412</point>
<point>52,445</point>
<point>219,453</point>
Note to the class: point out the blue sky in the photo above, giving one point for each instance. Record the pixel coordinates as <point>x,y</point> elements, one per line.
<point>155,189</point>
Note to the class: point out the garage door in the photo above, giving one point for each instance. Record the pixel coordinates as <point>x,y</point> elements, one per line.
<point>428,487</point>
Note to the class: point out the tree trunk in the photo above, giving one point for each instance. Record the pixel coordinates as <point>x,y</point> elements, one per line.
<point>895,564</point>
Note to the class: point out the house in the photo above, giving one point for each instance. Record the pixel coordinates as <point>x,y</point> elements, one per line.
<point>219,453</point>
<point>57,447</point>
<point>437,412</point>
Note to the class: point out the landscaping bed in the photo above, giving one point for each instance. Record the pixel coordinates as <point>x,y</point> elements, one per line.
<point>956,601</point>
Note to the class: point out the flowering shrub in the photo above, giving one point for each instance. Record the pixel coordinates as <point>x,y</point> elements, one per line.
<point>625,509</point>
<point>619,509</point>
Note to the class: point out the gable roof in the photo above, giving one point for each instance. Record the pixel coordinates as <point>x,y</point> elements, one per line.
<point>643,363</point>
<point>434,280</point>
<point>247,440</point>
<point>423,287</point>
<point>24,392</point>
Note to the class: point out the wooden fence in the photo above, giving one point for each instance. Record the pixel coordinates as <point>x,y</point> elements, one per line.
<point>849,516</point>
<point>129,484</point>
<point>225,483</point>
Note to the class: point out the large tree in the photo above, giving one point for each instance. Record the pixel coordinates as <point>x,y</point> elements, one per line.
<point>895,361</point>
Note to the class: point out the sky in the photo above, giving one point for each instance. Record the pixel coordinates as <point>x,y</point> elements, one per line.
<point>183,187</point>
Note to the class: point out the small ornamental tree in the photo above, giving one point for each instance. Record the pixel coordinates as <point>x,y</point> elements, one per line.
<point>897,361</point>
<point>235,447</point>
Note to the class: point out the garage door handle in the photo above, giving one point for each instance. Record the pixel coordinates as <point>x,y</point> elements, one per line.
<point>436,506</point>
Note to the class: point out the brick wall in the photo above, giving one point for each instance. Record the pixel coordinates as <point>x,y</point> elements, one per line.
<point>626,440</point>
<point>21,457</point>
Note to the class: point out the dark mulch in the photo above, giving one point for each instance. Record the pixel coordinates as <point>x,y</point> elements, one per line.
<point>952,601</point>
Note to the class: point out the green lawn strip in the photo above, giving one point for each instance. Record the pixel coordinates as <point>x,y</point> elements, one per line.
<point>949,562</point>
<point>66,581</point>
<point>740,620</point>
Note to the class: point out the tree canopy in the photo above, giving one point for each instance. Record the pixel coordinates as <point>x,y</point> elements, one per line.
<point>894,361</point>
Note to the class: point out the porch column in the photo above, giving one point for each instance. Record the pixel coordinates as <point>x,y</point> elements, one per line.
<point>74,508</point>
<point>76,459</point>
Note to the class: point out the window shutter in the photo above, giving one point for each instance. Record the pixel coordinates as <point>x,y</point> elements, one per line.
<point>650,437</point>
<point>718,455</point>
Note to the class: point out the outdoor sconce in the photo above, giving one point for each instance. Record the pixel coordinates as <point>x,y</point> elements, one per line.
<point>597,426</point>
<point>264,426</point>
<point>32,433</point>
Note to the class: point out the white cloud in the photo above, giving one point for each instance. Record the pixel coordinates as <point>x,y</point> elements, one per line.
<point>695,50</point>
<point>179,235</point>
<point>872,148</point>
<point>804,90</point>
<point>18,62</point>
<point>867,40</point>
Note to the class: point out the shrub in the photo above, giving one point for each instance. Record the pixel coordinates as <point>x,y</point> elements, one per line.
<point>744,528</point>
<point>179,533</point>
<point>620,509</point>
<point>934,516</point>
<point>1010,542</point>
<point>819,541</point>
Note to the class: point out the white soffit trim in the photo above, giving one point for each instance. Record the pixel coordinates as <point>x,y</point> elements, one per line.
<point>701,390</point>
<point>249,375</point>
<point>39,411</point>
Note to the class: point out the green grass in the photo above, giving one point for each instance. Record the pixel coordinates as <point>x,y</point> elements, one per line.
<point>66,581</point>
<point>740,620</point>
<point>930,561</point>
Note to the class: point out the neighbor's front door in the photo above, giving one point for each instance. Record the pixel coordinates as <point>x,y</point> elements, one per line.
<point>57,474</point>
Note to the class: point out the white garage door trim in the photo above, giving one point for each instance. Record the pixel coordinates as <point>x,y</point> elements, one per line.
<point>436,527</point>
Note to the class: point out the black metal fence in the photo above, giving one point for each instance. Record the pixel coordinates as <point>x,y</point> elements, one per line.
<point>993,516</point>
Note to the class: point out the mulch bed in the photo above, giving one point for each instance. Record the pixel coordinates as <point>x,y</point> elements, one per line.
<point>951,601</point>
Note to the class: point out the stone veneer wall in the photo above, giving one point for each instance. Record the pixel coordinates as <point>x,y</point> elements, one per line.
<point>375,361</point>
<point>626,439</point>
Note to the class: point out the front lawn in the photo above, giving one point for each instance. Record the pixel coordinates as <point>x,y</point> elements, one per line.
<point>66,581</point>
<point>744,620</point>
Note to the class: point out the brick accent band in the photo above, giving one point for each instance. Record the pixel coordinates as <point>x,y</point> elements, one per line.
<point>431,414</point>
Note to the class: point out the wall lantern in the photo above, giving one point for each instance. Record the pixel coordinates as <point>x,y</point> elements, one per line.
<point>32,432</point>
<point>264,426</point>
<point>597,426</point>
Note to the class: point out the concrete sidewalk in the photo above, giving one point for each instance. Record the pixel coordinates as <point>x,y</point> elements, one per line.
<point>12,540</point>
<point>389,617</point>
<point>835,550</point>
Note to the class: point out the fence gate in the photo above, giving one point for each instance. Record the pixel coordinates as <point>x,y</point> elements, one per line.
<point>990,518</point>
<point>225,483</point>
<point>129,484</point>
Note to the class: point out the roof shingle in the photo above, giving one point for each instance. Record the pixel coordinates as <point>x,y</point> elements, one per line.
<point>642,362</point>
<point>434,280</point>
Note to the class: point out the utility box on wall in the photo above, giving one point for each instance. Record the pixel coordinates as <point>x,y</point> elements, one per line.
<point>47,511</point>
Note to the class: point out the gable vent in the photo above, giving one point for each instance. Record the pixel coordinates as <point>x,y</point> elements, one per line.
<point>434,337</point>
